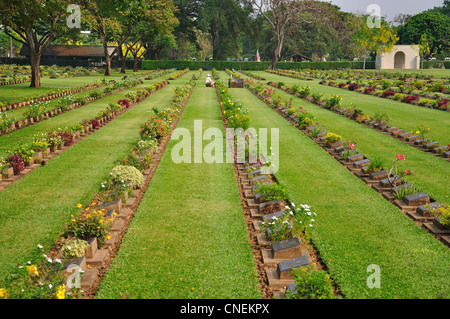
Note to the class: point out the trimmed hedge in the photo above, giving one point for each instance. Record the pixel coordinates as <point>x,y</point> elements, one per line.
<point>251,66</point>
<point>436,64</point>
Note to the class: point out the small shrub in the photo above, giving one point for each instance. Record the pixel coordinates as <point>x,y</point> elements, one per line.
<point>73,248</point>
<point>311,284</point>
<point>129,174</point>
<point>331,138</point>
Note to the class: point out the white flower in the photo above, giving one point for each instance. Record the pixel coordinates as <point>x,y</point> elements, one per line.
<point>291,213</point>
<point>20,267</point>
<point>293,205</point>
<point>29,262</point>
<point>312,220</point>
<point>287,207</point>
<point>45,256</point>
<point>58,261</point>
<point>40,246</point>
<point>69,248</point>
<point>310,225</point>
<point>274,218</point>
<point>308,213</point>
<point>50,286</point>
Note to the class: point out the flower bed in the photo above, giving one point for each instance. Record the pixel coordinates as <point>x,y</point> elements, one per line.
<point>52,141</point>
<point>378,121</point>
<point>92,235</point>
<point>390,184</point>
<point>277,221</point>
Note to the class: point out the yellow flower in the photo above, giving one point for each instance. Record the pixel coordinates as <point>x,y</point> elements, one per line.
<point>79,205</point>
<point>73,220</point>
<point>4,293</point>
<point>32,270</point>
<point>100,221</point>
<point>61,292</point>
<point>87,209</point>
<point>93,204</point>
<point>108,237</point>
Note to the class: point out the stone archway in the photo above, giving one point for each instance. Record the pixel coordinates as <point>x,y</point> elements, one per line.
<point>399,60</point>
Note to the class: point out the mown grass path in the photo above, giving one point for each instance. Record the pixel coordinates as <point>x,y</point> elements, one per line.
<point>188,238</point>
<point>33,210</point>
<point>355,227</point>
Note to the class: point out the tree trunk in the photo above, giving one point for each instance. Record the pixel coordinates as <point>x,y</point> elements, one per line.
<point>215,41</point>
<point>35,69</point>
<point>123,62</point>
<point>277,55</point>
<point>108,65</point>
<point>135,67</point>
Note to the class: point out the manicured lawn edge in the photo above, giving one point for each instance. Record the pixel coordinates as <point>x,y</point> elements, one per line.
<point>192,245</point>
<point>274,282</point>
<point>355,231</point>
<point>93,265</point>
<point>6,182</point>
<point>415,209</point>
<point>408,138</point>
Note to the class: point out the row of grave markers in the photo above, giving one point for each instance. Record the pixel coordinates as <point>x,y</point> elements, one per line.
<point>416,206</point>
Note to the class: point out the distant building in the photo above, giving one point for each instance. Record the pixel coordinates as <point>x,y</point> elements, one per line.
<point>401,57</point>
<point>72,52</point>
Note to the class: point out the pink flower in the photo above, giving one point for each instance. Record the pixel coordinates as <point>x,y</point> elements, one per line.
<point>407,172</point>
<point>352,146</point>
<point>402,157</point>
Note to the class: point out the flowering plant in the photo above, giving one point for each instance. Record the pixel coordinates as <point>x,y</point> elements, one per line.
<point>89,223</point>
<point>16,162</point>
<point>156,128</point>
<point>331,138</point>
<point>294,221</point>
<point>394,174</point>
<point>39,278</point>
<point>350,149</point>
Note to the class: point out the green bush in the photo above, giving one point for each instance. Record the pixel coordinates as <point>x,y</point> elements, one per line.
<point>256,66</point>
<point>129,174</point>
<point>311,284</point>
<point>73,248</point>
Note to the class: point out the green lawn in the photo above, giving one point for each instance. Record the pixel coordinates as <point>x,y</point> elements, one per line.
<point>431,173</point>
<point>355,226</point>
<point>188,238</point>
<point>403,115</point>
<point>34,210</point>
<point>17,92</point>
<point>10,141</point>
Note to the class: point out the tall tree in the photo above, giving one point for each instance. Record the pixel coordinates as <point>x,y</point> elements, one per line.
<point>280,14</point>
<point>434,25</point>
<point>111,21</point>
<point>224,20</point>
<point>187,14</point>
<point>375,40</point>
<point>35,24</point>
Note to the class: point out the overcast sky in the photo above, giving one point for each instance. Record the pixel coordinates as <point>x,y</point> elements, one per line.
<point>389,8</point>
